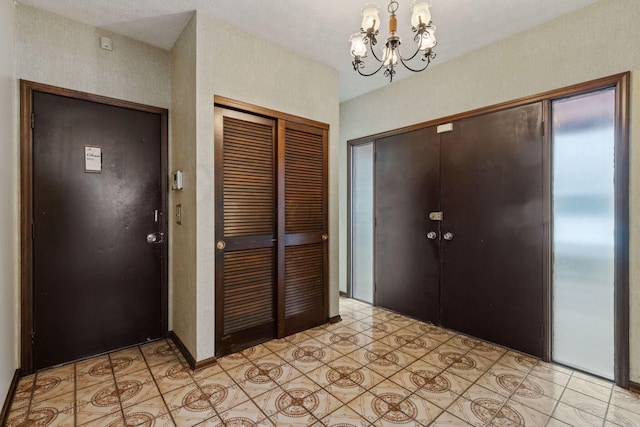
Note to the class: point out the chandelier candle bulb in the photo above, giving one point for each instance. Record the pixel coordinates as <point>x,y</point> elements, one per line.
<point>421,14</point>
<point>370,18</point>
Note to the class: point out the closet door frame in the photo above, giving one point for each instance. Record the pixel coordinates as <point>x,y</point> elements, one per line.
<point>621,286</point>
<point>282,120</point>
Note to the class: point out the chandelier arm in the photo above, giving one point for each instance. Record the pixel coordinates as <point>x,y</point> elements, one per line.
<point>373,52</point>
<point>413,69</point>
<point>411,57</point>
<point>371,74</point>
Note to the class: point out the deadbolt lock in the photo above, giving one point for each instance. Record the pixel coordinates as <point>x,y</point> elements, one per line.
<point>155,237</point>
<point>436,216</point>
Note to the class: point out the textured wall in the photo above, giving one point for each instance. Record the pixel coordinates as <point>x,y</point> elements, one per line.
<point>8,196</point>
<point>236,65</point>
<point>597,41</point>
<point>57,51</point>
<point>183,157</point>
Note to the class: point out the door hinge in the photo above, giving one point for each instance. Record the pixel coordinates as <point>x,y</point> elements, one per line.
<point>33,231</point>
<point>542,128</point>
<point>33,120</point>
<point>33,338</point>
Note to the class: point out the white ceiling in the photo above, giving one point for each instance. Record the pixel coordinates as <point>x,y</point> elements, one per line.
<point>318,29</point>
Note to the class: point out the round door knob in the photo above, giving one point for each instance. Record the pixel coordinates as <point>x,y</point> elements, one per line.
<point>431,235</point>
<point>448,236</point>
<point>221,244</point>
<point>151,238</point>
<point>325,236</point>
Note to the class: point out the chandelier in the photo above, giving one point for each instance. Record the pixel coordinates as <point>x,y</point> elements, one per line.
<point>424,38</point>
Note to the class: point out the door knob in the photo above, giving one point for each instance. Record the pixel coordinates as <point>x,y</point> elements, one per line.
<point>325,236</point>
<point>448,236</point>
<point>221,244</point>
<point>432,235</point>
<point>155,238</point>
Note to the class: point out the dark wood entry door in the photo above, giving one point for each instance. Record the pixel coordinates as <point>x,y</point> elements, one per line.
<point>245,230</point>
<point>492,199</point>
<point>97,282</point>
<point>407,189</point>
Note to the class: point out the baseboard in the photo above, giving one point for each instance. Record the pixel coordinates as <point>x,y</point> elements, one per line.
<point>4,415</point>
<point>633,386</point>
<point>335,319</point>
<point>193,364</point>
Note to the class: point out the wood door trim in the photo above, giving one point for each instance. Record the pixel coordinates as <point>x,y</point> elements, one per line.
<point>265,112</point>
<point>280,228</point>
<point>27,88</point>
<point>547,233</point>
<point>621,188</point>
<point>555,93</point>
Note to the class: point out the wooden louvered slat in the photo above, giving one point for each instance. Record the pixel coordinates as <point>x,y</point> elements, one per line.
<point>248,288</point>
<point>304,182</point>
<point>248,178</point>
<point>304,278</point>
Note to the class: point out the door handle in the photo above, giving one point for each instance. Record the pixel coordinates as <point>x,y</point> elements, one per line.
<point>155,237</point>
<point>221,244</point>
<point>448,236</point>
<point>432,235</point>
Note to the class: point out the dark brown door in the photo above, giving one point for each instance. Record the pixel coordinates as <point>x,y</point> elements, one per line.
<point>245,230</point>
<point>492,200</point>
<point>303,226</point>
<point>97,282</point>
<point>407,189</point>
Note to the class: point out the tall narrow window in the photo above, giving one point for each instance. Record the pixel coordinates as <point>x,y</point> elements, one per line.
<point>362,221</point>
<point>583,231</point>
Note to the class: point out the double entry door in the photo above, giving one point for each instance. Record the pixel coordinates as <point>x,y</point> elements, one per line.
<point>459,226</point>
<point>271,228</point>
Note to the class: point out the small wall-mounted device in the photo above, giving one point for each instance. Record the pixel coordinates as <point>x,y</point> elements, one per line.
<point>176,180</point>
<point>106,43</point>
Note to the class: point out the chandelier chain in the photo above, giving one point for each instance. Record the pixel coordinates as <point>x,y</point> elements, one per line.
<point>393,7</point>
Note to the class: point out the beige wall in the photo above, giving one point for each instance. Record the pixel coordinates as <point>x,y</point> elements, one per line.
<point>8,197</point>
<point>183,157</point>
<point>237,65</point>
<point>57,51</point>
<point>597,41</point>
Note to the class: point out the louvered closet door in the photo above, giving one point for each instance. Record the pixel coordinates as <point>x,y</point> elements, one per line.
<point>245,230</point>
<point>303,228</point>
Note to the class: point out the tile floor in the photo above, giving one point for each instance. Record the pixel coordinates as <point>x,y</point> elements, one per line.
<point>375,368</point>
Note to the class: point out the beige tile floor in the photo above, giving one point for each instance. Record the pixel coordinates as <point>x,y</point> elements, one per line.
<point>375,368</point>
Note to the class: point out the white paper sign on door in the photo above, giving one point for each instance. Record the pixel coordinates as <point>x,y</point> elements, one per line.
<point>92,159</point>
